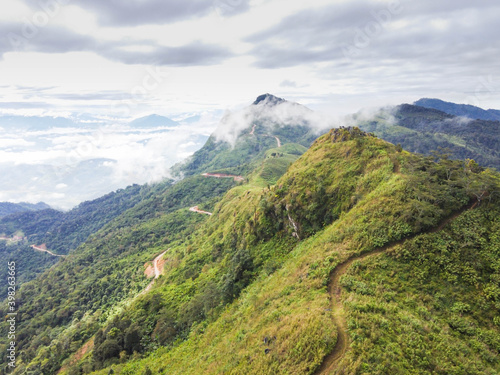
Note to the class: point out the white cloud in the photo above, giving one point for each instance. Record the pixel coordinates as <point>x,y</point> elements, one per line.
<point>86,163</point>
<point>285,113</point>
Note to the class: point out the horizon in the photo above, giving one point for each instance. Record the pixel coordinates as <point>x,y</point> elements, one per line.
<point>103,65</point>
<point>128,60</point>
<point>215,128</point>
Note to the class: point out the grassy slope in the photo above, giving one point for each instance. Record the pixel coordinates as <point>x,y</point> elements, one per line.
<point>248,151</point>
<point>432,305</point>
<point>281,323</point>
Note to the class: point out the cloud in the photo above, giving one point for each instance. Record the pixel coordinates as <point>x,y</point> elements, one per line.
<point>288,83</point>
<point>14,142</point>
<point>195,53</point>
<point>374,32</point>
<point>86,163</point>
<point>56,39</point>
<point>285,113</point>
<point>103,95</point>
<point>143,12</point>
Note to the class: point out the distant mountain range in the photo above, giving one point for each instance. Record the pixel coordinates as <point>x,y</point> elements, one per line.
<point>423,130</point>
<point>464,110</point>
<point>48,122</point>
<point>7,208</point>
<point>153,121</point>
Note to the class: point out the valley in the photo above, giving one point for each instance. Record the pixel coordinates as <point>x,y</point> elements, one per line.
<point>324,253</point>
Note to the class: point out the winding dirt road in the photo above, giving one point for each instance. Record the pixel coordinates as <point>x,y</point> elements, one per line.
<point>41,249</point>
<point>331,361</point>
<point>277,140</point>
<point>157,270</point>
<point>34,247</point>
<point>197,210</point>
<point>252,132</point>
<point>223,175</point>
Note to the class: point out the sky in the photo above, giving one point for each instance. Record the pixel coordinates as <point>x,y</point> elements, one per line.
<point>128,58</point>
<point>102,63</point>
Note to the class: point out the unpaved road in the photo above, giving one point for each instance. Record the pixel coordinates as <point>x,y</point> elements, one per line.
<point>157,271</point>
<point>197,210</point>
<point>34,247</point>
<point>331,361</point>
<point>252,132</point>
<point>223,175</point>
<point>156,267</point>
<point>277,140</point>
<point>37,248</point>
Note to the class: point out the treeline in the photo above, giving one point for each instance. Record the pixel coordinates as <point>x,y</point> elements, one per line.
<point>7,208</point>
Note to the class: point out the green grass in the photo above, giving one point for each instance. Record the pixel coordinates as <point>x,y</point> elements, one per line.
<point>431,306</point>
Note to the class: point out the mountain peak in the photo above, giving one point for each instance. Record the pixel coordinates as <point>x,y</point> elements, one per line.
<point>153,120</point>
<point>268,99</point>
<point>343,134</point>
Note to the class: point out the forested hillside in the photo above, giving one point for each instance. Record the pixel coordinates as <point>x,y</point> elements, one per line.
<point>465,110</point>
<point>65,231</point>
<point>60,232</point>
<point>423,130</point>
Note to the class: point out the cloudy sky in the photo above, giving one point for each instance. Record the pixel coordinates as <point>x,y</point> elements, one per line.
<point>134,57</point>
<point>109,61</point>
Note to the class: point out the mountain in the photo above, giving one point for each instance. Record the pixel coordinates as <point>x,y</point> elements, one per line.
<point>268,99</point>
<point>348,254</point>
<point>464,110</point>
<point>153,121</point>
<point>246,136</point>
<point>424,130</point>
<point>7,208</point>
<point>35,122</point>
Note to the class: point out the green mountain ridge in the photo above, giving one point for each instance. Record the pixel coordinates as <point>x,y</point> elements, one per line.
<point>465,110</point>
<point>253,287</point>
<point>8,208</point>
<point>423,130</point>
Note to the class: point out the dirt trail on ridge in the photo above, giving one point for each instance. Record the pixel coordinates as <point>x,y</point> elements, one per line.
<point>331,361</point>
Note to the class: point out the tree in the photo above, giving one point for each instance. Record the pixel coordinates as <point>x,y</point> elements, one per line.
<point>133,339</point>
